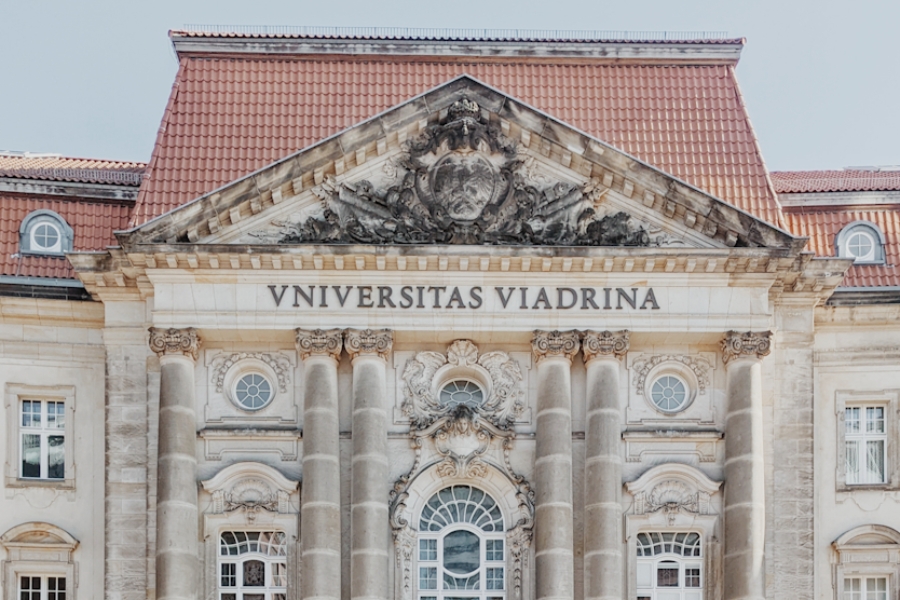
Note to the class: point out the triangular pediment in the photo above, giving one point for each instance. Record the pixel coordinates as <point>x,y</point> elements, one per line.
<point>461,164</point>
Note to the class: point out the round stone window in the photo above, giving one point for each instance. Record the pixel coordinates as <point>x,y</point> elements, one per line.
<point>252,391</point>
<point>669,393</point>
<point>461,392</point>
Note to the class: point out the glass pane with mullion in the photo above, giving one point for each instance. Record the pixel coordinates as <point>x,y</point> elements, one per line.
<point>852,589</point>
<point>874,419</point>
<point>667,574</point>
<point>875,461</point>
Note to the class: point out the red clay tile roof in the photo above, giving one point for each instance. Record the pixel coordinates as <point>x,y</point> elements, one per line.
<point>80,170</point>
<point>846,180</point>
<point>229,116</point>
<point>823,225</point>
<point>92,222</point>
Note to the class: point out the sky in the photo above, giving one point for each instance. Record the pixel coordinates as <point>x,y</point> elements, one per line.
<point>821,78</point>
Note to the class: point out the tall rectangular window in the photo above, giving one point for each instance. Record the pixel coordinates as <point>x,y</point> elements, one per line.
<point>865,588</point>
<point>42,439</point>
<point>42,588</point>
<point>865,436</point>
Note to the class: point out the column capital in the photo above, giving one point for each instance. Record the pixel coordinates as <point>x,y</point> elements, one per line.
<point>746,344</point>
<point>319,342</point>
<point>604,344</point>
<point>546,344</point>
<point>368,342</point>
<point>175,341</point>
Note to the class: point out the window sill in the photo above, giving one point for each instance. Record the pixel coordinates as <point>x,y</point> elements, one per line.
<point>56,484</point>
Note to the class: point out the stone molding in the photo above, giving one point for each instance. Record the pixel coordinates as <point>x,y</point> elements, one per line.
<point>223,363</point>
<point>698,365</point>
<point>748,344</point>
<point>175,341</point>
<point>368,342</point>
<point>604,344</point>
<point>250,488</point>
<point>319,342</point>
<point>547,344</point>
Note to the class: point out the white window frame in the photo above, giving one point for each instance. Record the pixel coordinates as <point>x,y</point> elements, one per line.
<point>871,231</point>
<point>270,591</point>
<point>44,591</point>
<point>16,394</point>
<point>864,582</point>
<point>653,563</point>
<point>28,228</point>
<point>38,550</point>
<point>482,593</point>
<point>889,400</point>
<point>866,419</point>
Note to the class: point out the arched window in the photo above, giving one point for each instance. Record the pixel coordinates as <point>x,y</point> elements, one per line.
<point>861,241</point>
<point>669,566</point>
<point>45,232</point>
<point>252,565</point>
<point>461,546</point>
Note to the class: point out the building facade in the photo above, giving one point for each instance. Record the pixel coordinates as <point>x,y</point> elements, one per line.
<point>446,319</point>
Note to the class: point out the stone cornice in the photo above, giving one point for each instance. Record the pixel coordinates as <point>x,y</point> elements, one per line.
<point>368,342</point>
<point>604,344</point>
<point>175,341</point>
<point>548,344</point>
<point>319,342</point>
<point>109,192</point>
<point>748,344</point>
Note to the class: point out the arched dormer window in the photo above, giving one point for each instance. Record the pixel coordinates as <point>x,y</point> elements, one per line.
<point>45,232</point>
<point>862,241</point>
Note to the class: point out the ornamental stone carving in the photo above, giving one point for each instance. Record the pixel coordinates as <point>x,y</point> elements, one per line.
<point>279,364</point>
<point>698,365</point>
<point>749,344</point>
<point>500,375</point>
<point>319,342</point>
<point>546,344</point>
<point>251,489</point>
<point>462,181</point>
<point>368,342</point>
<point>175,341</point>
<point>672,489</point>
<point>599,344</point>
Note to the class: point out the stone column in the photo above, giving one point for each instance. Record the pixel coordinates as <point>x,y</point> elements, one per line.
<point>320,498</point>
<point>604,566</point>
<point>553,519</point>
<point>369,489</point>
<point>176,508</point>
<point>745,498</point>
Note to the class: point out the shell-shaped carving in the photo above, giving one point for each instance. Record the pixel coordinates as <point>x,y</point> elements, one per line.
<point>670,493</point>
<point>462,353</point>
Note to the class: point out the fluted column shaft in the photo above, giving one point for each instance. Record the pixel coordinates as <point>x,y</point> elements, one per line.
<point>176,508</point>
<point>320,498</point>
<point>604,566</point>
<point>369,488</point>
<point>745,499</point>
<point>553,522</point>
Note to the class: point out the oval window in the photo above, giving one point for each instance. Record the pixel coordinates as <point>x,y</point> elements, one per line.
<point>253,391</point>
<point>669,393</point>
<point>461,392</point>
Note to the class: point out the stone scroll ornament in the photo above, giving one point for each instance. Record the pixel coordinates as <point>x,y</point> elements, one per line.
<point>749,344</point>
<point>368,342</point>
<point>462,181</point>
<point>319,342</point>
<point>175,341</point>
<point>505,402</point>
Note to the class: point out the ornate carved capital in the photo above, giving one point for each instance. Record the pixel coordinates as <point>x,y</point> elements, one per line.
<point>175,341</point>
<point>546,344</point>
<point>601,344</point>
<point>319,342</point>
<point>748,344</point>
<point>368,342</point>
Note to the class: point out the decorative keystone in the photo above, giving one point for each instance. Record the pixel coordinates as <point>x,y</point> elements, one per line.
<point>368,342</point>
<point>175,341</point>
<point>600,344</point>
<point>319,342</point>
<point>546,344</point>
<point>750,344</point>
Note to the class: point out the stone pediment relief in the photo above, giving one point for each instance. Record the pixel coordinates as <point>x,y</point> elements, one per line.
<point>251,489</point>
<point>672,490</point>
<point>462,181</point>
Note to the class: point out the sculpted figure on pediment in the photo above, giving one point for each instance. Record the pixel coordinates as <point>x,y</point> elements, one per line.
<point>462,181</point>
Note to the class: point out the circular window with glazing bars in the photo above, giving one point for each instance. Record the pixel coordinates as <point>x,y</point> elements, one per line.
<point>669,393</point>
<point>460,392</point>
<point>253,391</point>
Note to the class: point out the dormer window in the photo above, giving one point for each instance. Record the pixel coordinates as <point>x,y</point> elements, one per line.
<point>861,241</point>
<point>45,232</point>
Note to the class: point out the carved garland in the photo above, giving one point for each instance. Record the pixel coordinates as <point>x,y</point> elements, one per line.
<point>281,365</point>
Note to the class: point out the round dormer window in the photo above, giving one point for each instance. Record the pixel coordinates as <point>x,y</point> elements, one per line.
<point>669,393</point>
<point>45,237</point>
<point>460,392</point>
<point>861,246</point>
<point>253,391</point>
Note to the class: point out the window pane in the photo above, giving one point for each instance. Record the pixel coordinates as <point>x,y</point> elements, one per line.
<point>875,461</point>
<point>851,420</point>
<point>56,466</point>
<point>852,461</point>
<point>31,455</point>
<point>229,575</point>
<point>852,589</point>
<point>494,550</point>
<point>427,578</point>
<point>667,575</point>
<point>461,552</point>
<point>875,419</point>
<point>494,579</point>
<point>279,574</point>
<point>254,573</point>
<point>31,413</point>
<point>427,549</point>
<point>56,415</point>
<point>692,577</point>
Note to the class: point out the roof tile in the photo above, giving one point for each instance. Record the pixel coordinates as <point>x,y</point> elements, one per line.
<point>845,180</point>
<point>52,167</point>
